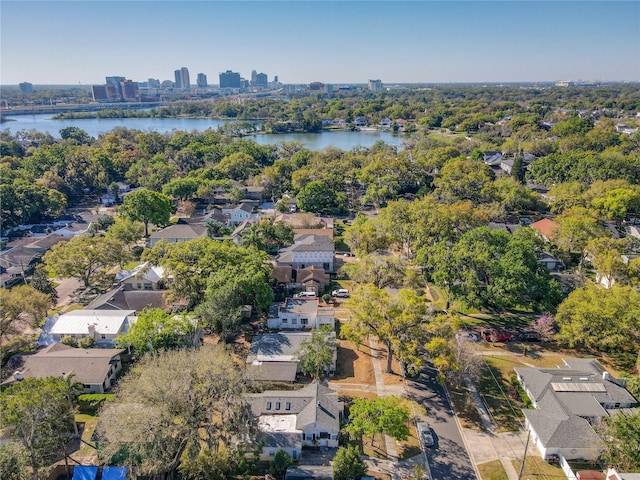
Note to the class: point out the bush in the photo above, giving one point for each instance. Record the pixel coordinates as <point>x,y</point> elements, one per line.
<point>524,398</point>
<point>86,342</point>
<point>91,402</point>
<point>69,341</point>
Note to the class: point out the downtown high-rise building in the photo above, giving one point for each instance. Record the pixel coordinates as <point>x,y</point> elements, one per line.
<point>182,78</point>
<point>202,81</point>
<point>230,79</point>
<point>375,85</point>
<point>26,87</point>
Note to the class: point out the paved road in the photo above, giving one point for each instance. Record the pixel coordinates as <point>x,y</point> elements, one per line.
<point>449,457</point>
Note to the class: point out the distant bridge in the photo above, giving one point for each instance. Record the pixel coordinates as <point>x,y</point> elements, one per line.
<point>89,107</point>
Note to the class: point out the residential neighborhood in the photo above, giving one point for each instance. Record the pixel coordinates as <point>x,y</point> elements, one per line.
<point>466,306</point>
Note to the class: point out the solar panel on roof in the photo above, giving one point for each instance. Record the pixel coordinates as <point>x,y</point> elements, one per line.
<point>578,387</point>
<point>84,473</point>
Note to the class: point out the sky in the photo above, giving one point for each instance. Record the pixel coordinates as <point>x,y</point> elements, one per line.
<point>81,42</point>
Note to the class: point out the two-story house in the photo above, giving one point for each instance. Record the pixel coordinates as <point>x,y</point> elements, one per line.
<point>289,420</point>
<point>301,313</point>
<point>240,213</point>
<point>308,250</point>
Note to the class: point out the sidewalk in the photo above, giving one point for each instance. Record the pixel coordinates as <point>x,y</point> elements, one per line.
<point>489,445</point>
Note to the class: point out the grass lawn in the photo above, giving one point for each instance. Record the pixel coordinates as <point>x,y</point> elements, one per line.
<point>465,408</point>
<point>89,423</point>
<point>492,471</point>
<point>493,385</point>
<point>411,446</point>
<point>535,467</point>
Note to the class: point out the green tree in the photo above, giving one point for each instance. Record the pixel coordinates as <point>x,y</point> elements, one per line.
<point>268,236</point>
<point>40,282</point>
<point>201,404</point>
<point>397,322</point>
<point>578,225</point>
<point>14,461</point>
<point>316,354</point>
<point>37,412</point>
<point>364,237</point>
<point>619,204</point>
<point>622,442</point>
<point>84,257</point>
<point>20,307</point>
<point>382,415</point>
<point>146,206</point>
<point>379,270</point>
<point>280,463</point>
<point>182,188</point>
<point>158,330</point>
<point>125,230</point>
<point>228,290</point>
<point>464,180</point>
<point>316,197</point>
<point>603,321</point>
<point>348,464</point>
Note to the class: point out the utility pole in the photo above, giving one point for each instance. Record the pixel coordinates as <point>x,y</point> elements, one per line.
<point>524,458</point>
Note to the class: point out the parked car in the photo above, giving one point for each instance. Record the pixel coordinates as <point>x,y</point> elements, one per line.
<point>305,295</point>
<point>529,337</point>
<point>472,337</point>
<point>425,433</point>
<point>496,335</point>
<point>341,293</point>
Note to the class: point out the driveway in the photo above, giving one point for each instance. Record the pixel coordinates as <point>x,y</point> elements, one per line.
<point>66,289</point>
<point>449,457</point>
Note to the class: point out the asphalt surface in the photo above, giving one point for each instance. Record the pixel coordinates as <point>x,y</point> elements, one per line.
<point>448,458</point>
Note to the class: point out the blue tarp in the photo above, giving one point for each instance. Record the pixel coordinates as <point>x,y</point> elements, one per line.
<point>114,473</point>
<point>84,473</point>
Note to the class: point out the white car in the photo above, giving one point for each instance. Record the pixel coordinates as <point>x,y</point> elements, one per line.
<point>471,337</point>
<point>341,293</point>
<point>426,436</point>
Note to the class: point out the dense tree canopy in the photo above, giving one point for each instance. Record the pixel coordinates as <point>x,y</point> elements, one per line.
<point>146,206</point>
<point>200,405</point>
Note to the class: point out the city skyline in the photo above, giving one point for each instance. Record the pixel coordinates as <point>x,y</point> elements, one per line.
<point>55,42</point>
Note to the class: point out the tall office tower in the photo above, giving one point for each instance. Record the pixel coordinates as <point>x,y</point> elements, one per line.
<point>202,80</point>
<point>99,93</point>
<point>178,76</point>
<point>184,74</point>
<point>115,83</point>
<point>129,89</point>
<point>261,80</point>
<point>254,78</point>
<point>375,85</point>
<point>26,87</point>
<point>230,79</point>
<point>275,79</point>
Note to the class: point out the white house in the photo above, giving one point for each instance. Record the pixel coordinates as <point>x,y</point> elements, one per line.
<point>308,250</point>
<point>95,368</point>
<point>289,420</point>
<point>103,325</point>
<point>143,277</point>
<point>240,213</point>
<point>300,313</point>
<point>568,402</point>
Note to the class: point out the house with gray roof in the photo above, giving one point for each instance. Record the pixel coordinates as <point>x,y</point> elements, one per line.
<point>178,233</point>
<point>308,250</point>
<point>272,356</point>
<point>568,401</point>
<point>121,298</point>
<point>95,368</point>
<point>289,420</point>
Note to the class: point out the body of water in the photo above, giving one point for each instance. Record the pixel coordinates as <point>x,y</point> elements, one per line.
<point>343,140</point>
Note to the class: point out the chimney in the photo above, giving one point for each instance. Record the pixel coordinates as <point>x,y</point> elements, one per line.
<point>92,330</point>
<point>606,376</point>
